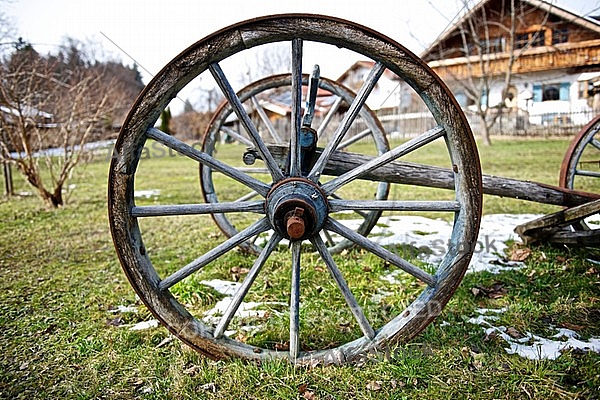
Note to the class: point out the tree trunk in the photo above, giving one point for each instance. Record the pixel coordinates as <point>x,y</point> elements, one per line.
<point>485,134</point>
<point>53,200</point>
<point>57,198</point>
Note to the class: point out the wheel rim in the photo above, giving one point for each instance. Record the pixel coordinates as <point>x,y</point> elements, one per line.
<point>156,290</point>
<point>581,164</point>
<point>248,96</point>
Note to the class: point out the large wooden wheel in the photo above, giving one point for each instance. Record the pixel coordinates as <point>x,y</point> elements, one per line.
<point>257,98</point>
<point>297,203</point>
<point>580,169</point>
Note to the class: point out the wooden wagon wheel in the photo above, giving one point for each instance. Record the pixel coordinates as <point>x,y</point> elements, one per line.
<point>337,97</point>
<point>581,164</point>
<point>296,205</point>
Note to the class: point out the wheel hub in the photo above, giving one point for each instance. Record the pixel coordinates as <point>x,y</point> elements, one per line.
<point>296,208</point>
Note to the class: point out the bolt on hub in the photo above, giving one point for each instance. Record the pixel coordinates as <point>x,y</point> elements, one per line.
<point>296,208</point>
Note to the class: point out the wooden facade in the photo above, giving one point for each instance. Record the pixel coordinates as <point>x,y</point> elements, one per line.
<point>546,38</point>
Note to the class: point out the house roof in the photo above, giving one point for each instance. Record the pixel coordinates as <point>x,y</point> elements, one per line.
<point>27,111</point>
<point>367,65</point>
<point>41,118</point>
<point>585,22</point>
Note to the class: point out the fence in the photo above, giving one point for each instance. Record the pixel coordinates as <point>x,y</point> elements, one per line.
<point>508,123</point>
<point>406,125</point>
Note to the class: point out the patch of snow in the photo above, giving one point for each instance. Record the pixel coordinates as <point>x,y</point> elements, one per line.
<point>124,309</point>
<point>140,326</point>
<point>482,319</point>
<point>391,277</point>
<point>495,231</point>
<point>532,346</point>
<point>380,295</point>
<point>245,310</point>
<point>429,239</point>
<point>226,288</point>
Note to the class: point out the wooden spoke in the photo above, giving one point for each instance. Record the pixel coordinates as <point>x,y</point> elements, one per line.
<point>353,111</point>
<point>241,293</point>
<point>328,239</point>
<point>403,149</point>
<point>356,310</point>
<point>358,211</point>
<point>332,110</point>
<point>246,197</point>
<point>378,250</point>
<point>583,172</point>
<point>295,301</point>
<point>295,147</point>
<point>244,118</point>
<point>254,229</point>
<point>311,97</point>
<point>236,136</point>
<point>265,119</point>
<point>209,161</point>
<point>253,170</point>
<point>391,205</point>
<point>191,209</point>
<point>355,138</point>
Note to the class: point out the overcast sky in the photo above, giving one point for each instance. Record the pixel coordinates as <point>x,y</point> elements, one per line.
<point>152,32</point>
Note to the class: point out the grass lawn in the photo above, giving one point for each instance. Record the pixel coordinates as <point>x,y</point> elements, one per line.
<point>63,335</point>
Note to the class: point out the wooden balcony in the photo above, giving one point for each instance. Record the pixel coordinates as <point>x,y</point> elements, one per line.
<point>580,56</point>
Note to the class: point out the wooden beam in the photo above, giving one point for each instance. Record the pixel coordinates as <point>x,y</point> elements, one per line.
<point>437,177</point>
<point>550,227</point>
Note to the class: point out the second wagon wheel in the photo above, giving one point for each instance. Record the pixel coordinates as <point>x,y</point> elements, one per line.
<point>296,301</point>
<point>580,169</point>
<point>272,93</point>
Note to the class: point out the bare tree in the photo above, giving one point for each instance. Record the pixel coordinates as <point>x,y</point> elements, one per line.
<point>268,60</point>
<point>51,107</point>
<point>489,44</point>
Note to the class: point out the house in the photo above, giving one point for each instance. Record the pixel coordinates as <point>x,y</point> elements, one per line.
<point>276,106</point>
<point>31,115</point>
<point>397,105</point>
<point>553,56</point>
<point>385,94</point>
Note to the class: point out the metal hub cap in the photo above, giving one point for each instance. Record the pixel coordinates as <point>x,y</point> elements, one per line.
<point>296,208</point>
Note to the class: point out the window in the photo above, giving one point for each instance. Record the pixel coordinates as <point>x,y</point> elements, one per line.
<point>551,92</point>
<point>521,40</point>
<point>483,101</point>
<point>560,35</point>
<point>497,45</point>
<point>533,39</point>
<point>493,45</point>
<point>538,39</point>
<point>490,46</point>
<point>587,89</point>
<point>583,92</point>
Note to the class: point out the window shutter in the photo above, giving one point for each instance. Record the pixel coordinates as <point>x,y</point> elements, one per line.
<point>564,91</point>
<point>537,93</point>
<point>484,98</point>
